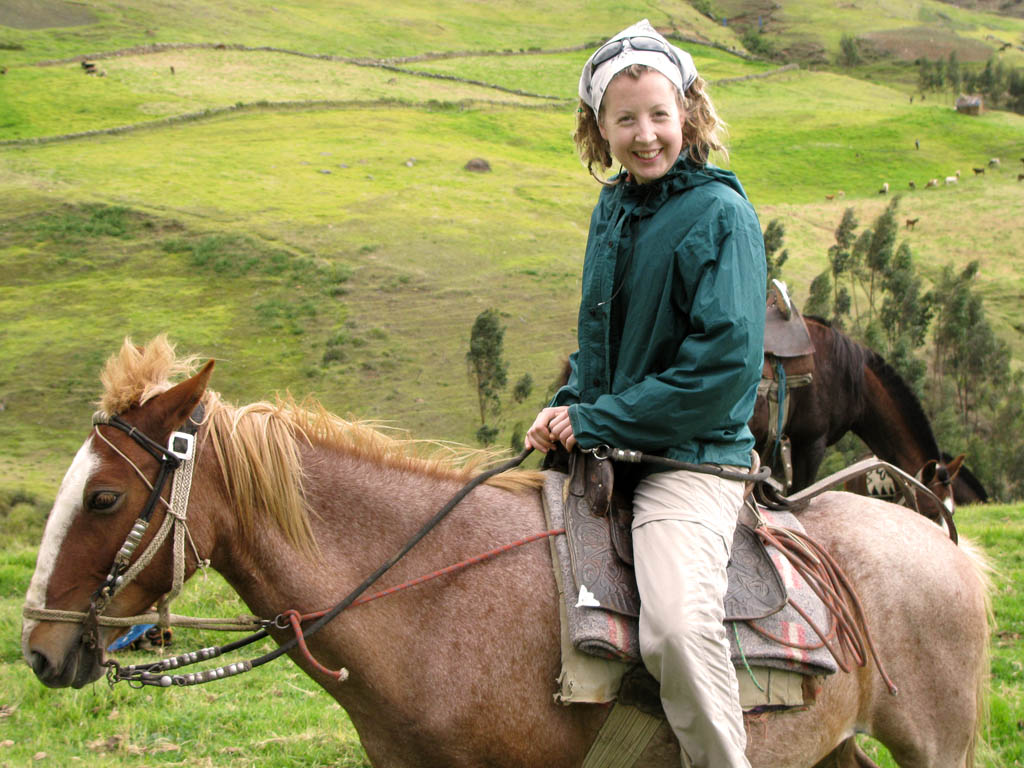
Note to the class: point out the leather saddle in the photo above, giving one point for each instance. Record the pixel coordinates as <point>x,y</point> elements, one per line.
<point>786,338</point>
<point>598,530</point>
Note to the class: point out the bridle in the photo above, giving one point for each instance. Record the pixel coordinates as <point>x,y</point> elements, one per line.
<point>177,461</point>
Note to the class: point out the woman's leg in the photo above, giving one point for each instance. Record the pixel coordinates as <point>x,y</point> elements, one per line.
<point>682,536</point>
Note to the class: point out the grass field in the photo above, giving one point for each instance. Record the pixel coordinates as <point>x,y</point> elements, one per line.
<point>309,223</point>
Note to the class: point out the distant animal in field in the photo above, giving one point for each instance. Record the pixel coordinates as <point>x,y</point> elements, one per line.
<point>885,189</point>
<point>912,222</point>
<point>830,197</point>
<point>978,171</point>
<point>994,162</point>
<point>1020,177</point>
<point>912,185</point>
<point>477,164</point>
<point>89,67</point>
<point>952,179</point>
<point>932,183</point>
<point>917,144</point>
<point>3,70</point>
<point>172,69</point>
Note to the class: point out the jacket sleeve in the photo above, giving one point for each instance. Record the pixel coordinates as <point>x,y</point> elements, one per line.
<point>569,392</point>
<point>707,387</point>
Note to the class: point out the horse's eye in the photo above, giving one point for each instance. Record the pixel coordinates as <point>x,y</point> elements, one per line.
<point>103,501</point>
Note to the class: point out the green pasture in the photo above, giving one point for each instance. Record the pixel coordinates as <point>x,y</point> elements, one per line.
<point>61,99</point>
<point>358,28</point>
<point>907,29</point>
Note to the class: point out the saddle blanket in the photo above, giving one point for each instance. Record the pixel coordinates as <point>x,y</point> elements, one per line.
<point>612,636</point>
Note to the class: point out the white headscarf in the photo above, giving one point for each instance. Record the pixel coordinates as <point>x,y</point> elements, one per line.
<point>680,70</point>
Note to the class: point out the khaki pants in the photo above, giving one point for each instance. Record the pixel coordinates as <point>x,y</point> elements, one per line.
<point>682,536</point>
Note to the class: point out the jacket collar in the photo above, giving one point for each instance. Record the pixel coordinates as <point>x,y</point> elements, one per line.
<point>645,199</point>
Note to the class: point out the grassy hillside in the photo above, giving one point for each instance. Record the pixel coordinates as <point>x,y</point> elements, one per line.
<point>377,194</point>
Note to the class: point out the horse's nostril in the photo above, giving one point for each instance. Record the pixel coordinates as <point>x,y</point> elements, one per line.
<point>39,663</point>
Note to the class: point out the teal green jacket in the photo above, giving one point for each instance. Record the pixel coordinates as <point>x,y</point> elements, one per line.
<point>671,322</point>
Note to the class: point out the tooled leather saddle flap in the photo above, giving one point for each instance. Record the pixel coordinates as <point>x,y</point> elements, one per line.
<point>598,531</point>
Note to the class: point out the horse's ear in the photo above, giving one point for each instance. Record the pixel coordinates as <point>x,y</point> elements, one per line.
<point>172,407</point>
<point>954,466</point>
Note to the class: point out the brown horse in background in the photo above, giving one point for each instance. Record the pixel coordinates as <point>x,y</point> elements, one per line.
<point>855,390</point>
<point>294,507</point>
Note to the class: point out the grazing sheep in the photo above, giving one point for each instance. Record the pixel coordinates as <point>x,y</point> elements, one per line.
<point>885,189</point>
<point>994,162</point>
<point>912,222</point>
<point>978,171</point>
<point>830,197</point>
<point>912,185</point>
<point>952,179</point>
<point>932,183</point>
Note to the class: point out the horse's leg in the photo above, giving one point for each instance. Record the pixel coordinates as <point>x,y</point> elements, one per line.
<point>807,457</point>
<point>847,755</point>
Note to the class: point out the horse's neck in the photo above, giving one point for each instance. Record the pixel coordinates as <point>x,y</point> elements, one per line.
<point>886,425</point>
<point>362,515</point>
<point>432,642</point>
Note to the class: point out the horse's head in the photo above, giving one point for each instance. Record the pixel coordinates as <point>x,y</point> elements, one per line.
<point>97,506</point>
<point>938,477</point>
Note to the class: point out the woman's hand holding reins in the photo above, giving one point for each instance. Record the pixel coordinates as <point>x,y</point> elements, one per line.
<point>551,426</point>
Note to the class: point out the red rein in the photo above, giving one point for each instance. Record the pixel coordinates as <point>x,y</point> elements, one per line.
<point>296,619</point>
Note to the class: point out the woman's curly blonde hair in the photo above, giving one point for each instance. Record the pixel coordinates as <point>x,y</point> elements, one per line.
<point>703,129</point>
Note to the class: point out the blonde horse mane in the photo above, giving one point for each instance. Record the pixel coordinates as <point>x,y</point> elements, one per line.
<point>258,445</point>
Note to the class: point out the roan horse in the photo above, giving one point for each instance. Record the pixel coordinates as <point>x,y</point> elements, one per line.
<point>295,506</point>
<point>855,389</point>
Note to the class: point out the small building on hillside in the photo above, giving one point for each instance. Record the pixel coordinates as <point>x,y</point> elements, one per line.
<point>969,105</point>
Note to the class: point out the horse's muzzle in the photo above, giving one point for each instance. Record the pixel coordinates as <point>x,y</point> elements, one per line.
<point>78,667</point>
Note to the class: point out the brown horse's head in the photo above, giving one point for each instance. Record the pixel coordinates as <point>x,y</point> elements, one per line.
<point>938,476</point>
<point>98,502</point>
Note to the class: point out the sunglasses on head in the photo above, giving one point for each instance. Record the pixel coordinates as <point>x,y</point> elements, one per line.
<point>640,43</point>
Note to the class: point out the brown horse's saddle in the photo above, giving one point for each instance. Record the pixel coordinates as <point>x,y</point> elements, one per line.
<point>597,523</point>
<point>786,338</point>
<point>788,364</point>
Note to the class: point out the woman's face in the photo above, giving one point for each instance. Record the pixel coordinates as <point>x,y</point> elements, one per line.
<point>642,122</point>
